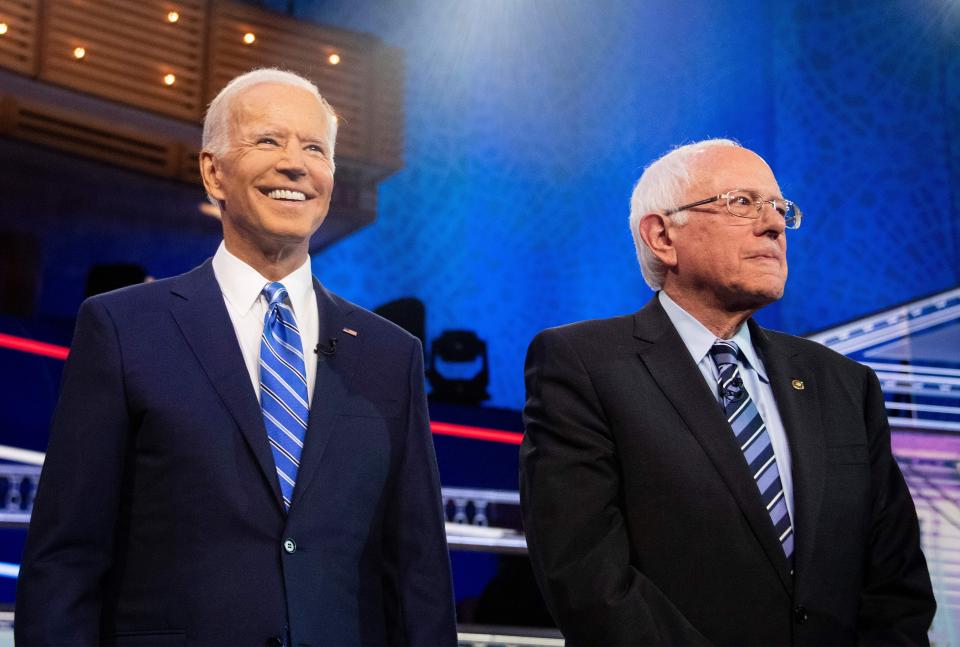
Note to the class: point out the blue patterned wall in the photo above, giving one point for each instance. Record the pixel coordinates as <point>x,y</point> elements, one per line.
<point>528,122</point>
<point>863,131</point>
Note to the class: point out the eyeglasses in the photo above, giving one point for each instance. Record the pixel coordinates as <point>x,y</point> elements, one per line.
<point>747,204</point>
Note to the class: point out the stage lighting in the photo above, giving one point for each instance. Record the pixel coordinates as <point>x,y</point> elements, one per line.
<point>105,277</point>
<point>409,313</point>
<point>453,352</point>
<point>249,38</point>
<point>3,28</point>
<point>333,59</point>
<point>79,53</point>
<point>169,79</point>
<point>173,16</point>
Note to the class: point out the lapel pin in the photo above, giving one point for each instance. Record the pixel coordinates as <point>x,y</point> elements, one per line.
<point>351,332</point>
<point>797,384</point>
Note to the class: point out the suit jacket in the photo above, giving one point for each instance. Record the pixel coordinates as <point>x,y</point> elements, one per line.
<point>646,527</point>
<point>158,518</point>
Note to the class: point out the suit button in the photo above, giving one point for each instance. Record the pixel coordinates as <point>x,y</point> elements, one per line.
<point>273,641</point>
<point>289,545</point>
<point>800,614</point>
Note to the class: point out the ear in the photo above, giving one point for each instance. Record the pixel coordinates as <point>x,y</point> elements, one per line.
<point>210,171</point>
<point>655,230</point>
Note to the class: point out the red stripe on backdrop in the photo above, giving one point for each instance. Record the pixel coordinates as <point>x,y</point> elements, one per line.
<point>34,347</point>
<point>440,428</point>
<point>476,433</point>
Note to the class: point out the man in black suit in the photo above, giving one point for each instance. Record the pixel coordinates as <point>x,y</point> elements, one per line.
<point>240,457</point>
<point>688,477</point>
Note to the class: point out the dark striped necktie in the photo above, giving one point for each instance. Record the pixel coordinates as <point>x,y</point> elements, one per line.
<point>283,388</point>
<point>752,437</point>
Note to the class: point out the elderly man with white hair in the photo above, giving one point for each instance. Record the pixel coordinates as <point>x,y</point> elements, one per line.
<point>688,477</point>
<point>238,456</point>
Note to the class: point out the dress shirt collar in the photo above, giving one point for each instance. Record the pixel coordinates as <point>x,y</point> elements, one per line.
<point>242,285</point>
<point>699,340</point>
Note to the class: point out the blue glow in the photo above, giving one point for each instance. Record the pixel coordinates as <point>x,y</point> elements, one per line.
<point>528,123</point>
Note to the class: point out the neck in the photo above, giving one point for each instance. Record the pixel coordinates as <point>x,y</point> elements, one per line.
<point>722,322</point>
<point>273,263</point>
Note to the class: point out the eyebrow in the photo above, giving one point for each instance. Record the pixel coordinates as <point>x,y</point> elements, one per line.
<point>274,132</point>
<point>776,196</point>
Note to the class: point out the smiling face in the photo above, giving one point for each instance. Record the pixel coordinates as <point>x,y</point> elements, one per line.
<point>721,261</point>
<point>274,181</point>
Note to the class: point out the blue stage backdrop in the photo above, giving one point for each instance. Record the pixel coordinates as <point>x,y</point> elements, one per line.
<point>528,122</point>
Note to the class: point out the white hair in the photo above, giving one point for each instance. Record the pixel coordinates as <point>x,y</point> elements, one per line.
<point>216,124</point>
<point>660,188</point>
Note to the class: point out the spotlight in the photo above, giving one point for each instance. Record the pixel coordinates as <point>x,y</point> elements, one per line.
<point>169,79</point>
<point>3,28</point>
<point>104,277</point>
<point>409,313</point>
<point>333,59</point>
<point>249,38</point>
<point>458,352</point>
<point>79,53</point>
<point>173,16</point>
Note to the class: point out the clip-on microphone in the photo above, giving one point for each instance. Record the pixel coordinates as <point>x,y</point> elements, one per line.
<point>330,350</point>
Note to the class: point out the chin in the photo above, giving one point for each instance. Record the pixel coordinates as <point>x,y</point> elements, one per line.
<point>294,232</point>
<point>754,297</point>
<point>767,295</point>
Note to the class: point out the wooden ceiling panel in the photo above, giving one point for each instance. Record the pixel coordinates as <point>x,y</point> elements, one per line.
<point>129,48</point>
<point>18,42</point>
<point>359,93</point>
<point>112,104</point>
<point>84,135</point>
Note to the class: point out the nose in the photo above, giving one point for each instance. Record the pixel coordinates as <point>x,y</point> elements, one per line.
<point>291,162</point>
<point>770,222</point>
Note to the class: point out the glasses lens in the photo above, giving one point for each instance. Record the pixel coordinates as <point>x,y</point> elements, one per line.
<point>791,215</point>
<point>742,203</point>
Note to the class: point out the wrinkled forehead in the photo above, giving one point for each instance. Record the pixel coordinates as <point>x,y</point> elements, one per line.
<point>277,107</point>
<point>721,168</point>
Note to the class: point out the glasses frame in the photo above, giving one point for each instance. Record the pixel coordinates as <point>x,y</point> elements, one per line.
<point>759,202</point>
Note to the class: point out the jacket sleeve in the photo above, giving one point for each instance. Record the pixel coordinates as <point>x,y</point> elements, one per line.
<point>419,604</point>
<point>570,488</point>
<point>896,602</point>
<point>69,543</point>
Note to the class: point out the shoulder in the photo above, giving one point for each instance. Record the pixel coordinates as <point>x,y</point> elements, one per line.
<point>815,352</point>
<point>593,328</point>
<point>372,325</point>
<point>141,298</point>
<point>589,340</point>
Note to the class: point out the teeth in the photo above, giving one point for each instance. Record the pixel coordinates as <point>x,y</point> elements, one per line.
<point>284,194</point>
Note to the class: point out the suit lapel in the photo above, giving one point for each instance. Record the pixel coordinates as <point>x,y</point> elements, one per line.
<point>666,357</point>
<point>331,385</point>
<point>201,314</point>
<point>798,401</point>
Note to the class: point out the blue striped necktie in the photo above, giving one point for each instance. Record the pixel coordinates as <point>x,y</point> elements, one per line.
<point>752,437</point>
<point>283,387</point>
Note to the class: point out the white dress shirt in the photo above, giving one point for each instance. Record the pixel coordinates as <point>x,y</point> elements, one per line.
<point>242,288</point>
<point>699,341</point>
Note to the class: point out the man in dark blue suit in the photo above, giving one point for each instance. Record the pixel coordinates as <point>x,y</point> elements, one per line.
<point>238,455</point>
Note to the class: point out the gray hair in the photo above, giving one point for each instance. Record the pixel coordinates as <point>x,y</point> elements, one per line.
<point>216,124</point>
<point>661,187</point>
